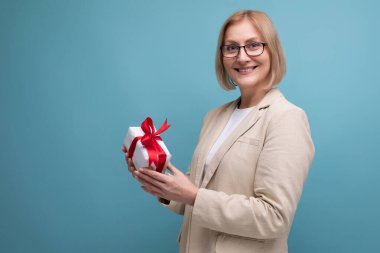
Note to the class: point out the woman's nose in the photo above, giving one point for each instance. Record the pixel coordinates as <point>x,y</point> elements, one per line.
<point>242,55</point>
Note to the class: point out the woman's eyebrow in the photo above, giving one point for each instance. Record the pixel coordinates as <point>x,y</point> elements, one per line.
<point>230,42</point>
<point>252,39</point>
<point>248,40</point>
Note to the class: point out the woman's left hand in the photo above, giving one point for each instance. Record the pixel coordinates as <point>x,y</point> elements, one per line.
<point>177,187</point>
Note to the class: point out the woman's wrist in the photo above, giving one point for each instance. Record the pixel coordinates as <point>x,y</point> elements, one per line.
<point>192,197</point>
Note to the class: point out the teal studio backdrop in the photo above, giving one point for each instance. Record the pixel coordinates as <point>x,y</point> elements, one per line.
<point>75,74</point>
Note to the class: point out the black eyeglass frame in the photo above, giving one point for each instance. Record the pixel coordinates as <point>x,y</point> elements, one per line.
<point>245,50</point>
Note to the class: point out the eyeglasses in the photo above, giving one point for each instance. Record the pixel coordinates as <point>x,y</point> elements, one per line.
<point>251,49</point>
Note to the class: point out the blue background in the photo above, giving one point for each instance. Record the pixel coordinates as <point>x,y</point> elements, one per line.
<point>75,74</point>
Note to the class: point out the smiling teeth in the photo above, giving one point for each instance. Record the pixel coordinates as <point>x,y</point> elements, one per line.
<point>245,70</point>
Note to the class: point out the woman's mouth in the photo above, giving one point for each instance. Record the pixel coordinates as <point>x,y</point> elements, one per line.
<point>245,70</point>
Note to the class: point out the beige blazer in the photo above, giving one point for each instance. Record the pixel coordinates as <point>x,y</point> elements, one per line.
<point>249,194</point>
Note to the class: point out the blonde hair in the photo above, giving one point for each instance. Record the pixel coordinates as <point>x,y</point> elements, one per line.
<point>265,26</point>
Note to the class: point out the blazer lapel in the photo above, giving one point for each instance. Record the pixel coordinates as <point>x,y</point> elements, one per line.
<point>244,126</point>
<point>212,134</point>
<point>241,129</point>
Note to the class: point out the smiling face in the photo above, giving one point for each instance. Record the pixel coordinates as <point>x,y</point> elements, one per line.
<point>249,73</point>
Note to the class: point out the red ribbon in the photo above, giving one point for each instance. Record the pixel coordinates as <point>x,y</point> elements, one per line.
<point>149,140</point>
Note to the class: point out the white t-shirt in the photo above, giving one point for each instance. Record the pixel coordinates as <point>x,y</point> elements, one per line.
<point>236,117</point>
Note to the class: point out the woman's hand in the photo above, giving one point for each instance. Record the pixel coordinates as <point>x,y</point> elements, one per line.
<point>165,187</point>
<point>131,167</point>
<point>177,187</point>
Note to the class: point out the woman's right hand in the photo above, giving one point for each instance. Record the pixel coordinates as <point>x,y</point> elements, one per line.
<point>132,169</point>
<point>129,161</point>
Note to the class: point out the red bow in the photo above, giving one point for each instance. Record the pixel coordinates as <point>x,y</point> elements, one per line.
<point>149,140</point>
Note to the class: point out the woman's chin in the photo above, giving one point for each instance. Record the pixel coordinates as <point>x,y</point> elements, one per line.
<point>251,83</point>
<point>246,85</point>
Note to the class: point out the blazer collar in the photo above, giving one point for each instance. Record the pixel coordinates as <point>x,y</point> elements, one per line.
<point>218,127</point>
<point>269,98</point>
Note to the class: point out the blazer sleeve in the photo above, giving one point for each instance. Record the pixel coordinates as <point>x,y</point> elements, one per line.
<point>281,171</point>
<point>175,206</point>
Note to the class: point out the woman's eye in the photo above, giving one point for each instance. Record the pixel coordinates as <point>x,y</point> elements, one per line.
<point>231,48</point>
<point>253,45</point>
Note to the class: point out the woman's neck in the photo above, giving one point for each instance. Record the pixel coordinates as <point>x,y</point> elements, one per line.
<point>251,97</point>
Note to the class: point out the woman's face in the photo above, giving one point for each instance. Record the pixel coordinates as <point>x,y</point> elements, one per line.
<point>247,71</point>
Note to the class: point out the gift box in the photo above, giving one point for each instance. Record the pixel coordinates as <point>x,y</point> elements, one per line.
<point>145,146</point>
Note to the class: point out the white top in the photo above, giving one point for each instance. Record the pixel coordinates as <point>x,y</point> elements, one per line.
<point>236,117</point>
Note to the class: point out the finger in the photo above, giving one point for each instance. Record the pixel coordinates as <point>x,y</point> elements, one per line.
<point>130,163</point>
<point>142,180</point>
<point>151,189</point>
<point>134,173</point>
<point>172,169</point>
<point>147,179</point>
<point>145,182</point>
<point>132,170</point>
<point>154,174</point>
<point>156,194</point>
<point>147,190</point>
<point>124,149</point>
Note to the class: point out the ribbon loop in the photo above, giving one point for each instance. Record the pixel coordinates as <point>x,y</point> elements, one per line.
<point>149,140</point>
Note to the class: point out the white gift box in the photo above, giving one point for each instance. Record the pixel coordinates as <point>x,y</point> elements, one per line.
<point>140,156</point>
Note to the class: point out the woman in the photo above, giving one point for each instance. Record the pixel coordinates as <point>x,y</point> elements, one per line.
<point>252,157</point>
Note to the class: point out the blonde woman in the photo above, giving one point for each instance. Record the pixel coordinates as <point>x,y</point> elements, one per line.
<point>252,157</point>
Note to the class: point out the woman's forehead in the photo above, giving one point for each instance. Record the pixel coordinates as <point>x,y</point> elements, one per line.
<point>242,31</point>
